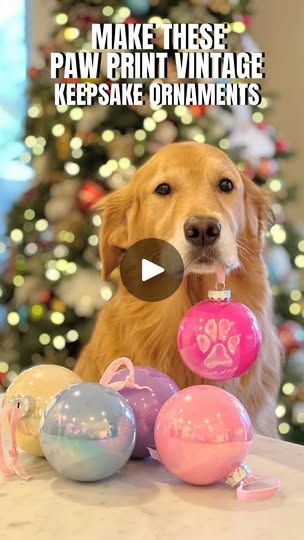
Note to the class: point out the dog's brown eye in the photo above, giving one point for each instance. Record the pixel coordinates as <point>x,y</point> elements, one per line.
<point>226,185</point>
<point>163,189</point>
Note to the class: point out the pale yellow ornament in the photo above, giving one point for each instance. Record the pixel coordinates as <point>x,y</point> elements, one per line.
<point>35,388</point>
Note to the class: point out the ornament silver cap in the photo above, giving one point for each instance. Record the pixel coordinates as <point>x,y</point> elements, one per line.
<point>239,474</point>
<point>25,403</point>
<point>219,294</point>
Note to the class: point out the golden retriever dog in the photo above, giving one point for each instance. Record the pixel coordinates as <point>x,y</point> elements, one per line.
<point>194,197</point>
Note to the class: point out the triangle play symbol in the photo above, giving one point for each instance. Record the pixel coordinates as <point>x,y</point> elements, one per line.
<point>150,270</point>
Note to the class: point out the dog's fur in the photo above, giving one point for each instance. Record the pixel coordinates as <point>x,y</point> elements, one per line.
<point>146,331</point>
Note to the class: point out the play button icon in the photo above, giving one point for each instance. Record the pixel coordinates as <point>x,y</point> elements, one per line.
<point>151,270</point>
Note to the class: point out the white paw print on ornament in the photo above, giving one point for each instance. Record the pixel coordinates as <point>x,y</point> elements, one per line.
<point>218,344</point>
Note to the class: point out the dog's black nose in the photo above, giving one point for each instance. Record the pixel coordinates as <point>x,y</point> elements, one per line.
<point>202,230</point>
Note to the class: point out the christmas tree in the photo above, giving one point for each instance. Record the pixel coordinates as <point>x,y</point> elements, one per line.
<point>52,286</point>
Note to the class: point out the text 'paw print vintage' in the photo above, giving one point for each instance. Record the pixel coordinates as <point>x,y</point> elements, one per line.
<point>219,339</point>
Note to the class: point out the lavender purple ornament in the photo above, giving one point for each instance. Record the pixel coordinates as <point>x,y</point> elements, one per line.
<point>145,390</point>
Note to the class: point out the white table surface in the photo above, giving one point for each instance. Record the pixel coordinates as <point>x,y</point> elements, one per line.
<point>146,502</point>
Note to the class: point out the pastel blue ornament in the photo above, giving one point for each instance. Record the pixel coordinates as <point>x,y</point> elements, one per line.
<point>295,365</point>
<point>278,263</point>
<point>138,7</point>
<point>23,312</point>
<point>87,432</point>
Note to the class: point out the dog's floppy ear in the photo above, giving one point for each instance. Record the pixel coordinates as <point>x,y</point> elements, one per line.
<point>114,228</point>
<point>257,209</point>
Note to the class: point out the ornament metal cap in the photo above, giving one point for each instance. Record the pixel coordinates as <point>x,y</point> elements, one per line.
<point>219,294</point>
<point>25,403</point>
<point>238,475</point>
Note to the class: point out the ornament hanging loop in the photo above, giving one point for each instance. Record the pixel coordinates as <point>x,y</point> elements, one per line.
<point>242,478</point>
<point>220,286</point>
<point>14,411</point>
<point>219,292</point>
<point>129,382</point>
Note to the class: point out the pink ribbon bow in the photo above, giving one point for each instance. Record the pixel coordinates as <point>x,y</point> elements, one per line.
<point>271,484</point>
<point>271,487</point>
<point>129,381</point>
<point>9,461</point>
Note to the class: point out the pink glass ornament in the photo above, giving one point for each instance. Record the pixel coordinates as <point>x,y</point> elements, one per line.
<point>203,434</point>
<point>219,339</point>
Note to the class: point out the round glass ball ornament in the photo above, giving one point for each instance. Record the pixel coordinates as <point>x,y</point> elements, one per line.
<point>146,402</point>
<point>295,365</point>
<point>291,335</point>
<point>203,434</point>
<point>88,432</point>
<point>34,389</point>
<point>138,7</point>
<point>219,338</point>
<point>278,263</point>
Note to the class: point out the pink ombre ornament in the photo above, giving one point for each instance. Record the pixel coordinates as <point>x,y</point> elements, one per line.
<point>202,435</point>
<point>219,338</point>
